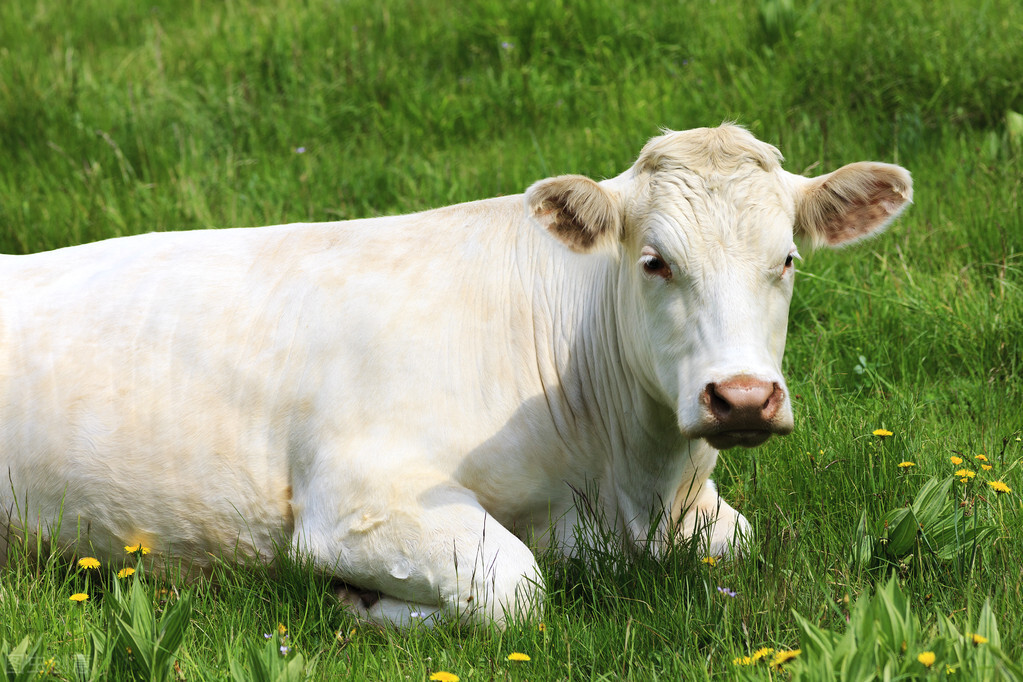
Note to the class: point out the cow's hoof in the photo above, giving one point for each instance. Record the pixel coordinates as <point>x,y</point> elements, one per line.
<point>729,537</point>
<point>373,608</point>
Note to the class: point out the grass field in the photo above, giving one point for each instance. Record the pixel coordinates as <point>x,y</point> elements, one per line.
<point>118,117</point>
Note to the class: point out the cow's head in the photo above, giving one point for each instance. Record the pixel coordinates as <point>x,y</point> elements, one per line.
<point>702,229</point>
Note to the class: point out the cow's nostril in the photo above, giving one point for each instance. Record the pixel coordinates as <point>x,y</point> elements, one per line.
<point>719,406</point>
<point>773,403</point>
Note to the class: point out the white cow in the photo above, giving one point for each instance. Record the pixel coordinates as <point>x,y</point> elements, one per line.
<point>412,401</point>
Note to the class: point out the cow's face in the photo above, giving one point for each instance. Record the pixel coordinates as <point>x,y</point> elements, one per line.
<point>710,258</point>
<point>703,229</point>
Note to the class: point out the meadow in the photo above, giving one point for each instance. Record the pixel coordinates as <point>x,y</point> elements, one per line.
<point>887,526</point>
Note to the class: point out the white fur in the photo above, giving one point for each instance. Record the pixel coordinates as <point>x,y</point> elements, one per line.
<point>405,399</point>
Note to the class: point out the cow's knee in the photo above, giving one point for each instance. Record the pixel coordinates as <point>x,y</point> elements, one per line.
<point>722,530</point>
<point>505,583</point>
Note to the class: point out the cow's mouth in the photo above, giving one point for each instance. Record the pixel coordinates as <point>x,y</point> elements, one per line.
<point>746,438</point>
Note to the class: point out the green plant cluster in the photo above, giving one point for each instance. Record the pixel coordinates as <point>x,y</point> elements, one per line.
<point>127,626</point>
<point>884,640</point>
<point>20,663</point>
<point>135,644</point>
<point>934,526</point>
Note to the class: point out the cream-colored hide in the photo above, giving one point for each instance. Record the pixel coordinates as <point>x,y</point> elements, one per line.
<point>412,400</point>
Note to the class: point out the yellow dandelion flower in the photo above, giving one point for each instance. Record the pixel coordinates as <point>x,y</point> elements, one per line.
<point>955,460</point>
<point>977,639</point>
<point>927,658</point>
<point>710,561</point>
<point>906,465</point>
<point>516,656</point>
<point>125,572</point>
<point>783,657</point>
<point>760,653</point>
<point>78,597</point>
<point>132,549</point>
<point>966,473</point>
<point>985,467</point>
<point>882,432</point>
<point>441,676</point>
<point>982,458</point>
<point>742,660</point>
<point>88,562</point>
<point>999,487</point>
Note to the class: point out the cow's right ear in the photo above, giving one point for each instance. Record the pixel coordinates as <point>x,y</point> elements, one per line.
<point>579,212</point>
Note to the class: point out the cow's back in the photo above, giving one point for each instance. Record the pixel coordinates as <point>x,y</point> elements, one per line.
<point>191,390</point>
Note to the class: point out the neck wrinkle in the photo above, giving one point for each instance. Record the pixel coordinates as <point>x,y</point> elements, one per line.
<point>613,426</point>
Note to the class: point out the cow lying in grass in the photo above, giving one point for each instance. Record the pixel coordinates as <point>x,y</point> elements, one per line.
<point>412,401</point>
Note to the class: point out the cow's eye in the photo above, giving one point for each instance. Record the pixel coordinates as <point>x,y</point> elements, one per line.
<point>793,256</point>
<point>652,264</point>
<point>655,265</point>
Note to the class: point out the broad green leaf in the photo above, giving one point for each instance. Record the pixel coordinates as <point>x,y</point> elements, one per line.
<point>902,532</point>
<point>19,664</point>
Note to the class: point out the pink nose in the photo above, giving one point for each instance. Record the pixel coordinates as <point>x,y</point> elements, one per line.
<point>743,403</point>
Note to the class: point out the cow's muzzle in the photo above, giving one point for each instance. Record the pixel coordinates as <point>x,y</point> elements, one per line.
<point>744,410</point>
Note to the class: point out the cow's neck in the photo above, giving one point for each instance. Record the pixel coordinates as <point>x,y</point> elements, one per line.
<point>629,440</point>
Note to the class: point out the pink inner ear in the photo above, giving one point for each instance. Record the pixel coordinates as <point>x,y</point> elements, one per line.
<point>862,217</point>
<point>854,202</point>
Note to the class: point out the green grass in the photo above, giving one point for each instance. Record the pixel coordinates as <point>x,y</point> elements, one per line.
<point>118,118</point>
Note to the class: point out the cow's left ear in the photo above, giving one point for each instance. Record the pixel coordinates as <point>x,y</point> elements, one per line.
<point>580,213</point>
<point>851,203</point>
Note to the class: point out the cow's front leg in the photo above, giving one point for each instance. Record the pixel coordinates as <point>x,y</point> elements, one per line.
<point>723,530</point>
<point>433,553</point>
